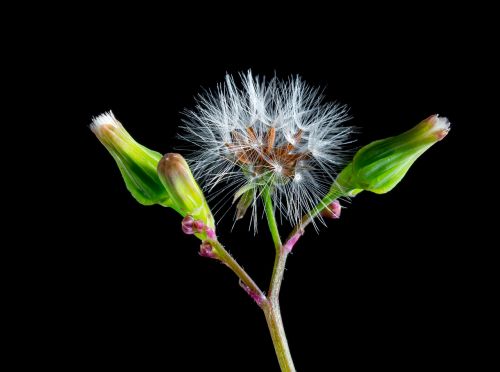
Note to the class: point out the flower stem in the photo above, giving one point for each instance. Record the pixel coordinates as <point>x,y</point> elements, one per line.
<point>280,258</point>
<point>335,192</point>
<point>271,307</point>
<point>271,219</point>
<point>275,324</point>
<point>225,257</point>
<point>277,277</point>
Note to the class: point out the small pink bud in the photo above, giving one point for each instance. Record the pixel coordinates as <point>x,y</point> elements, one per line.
<point>187,225</point>
<point>210,233</point>
<point>332,210</point>
<point>198,226</point>
<point>206,250</point>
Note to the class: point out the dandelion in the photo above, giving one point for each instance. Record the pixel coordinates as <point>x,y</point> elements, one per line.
<point>272,135</point>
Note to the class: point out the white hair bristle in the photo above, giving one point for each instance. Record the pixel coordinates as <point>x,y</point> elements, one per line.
<point>275,133</point>
<point>442,123</point>
<point>106,118</point>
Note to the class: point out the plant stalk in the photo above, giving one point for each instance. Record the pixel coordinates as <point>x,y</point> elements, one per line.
<point>271,219</point>
<point>271,307</point>
<point>225,257</point>
<point>274,322</point>
<point>335,192</point>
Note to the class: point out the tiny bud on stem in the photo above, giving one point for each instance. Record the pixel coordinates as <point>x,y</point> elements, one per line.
<point>332,211</point>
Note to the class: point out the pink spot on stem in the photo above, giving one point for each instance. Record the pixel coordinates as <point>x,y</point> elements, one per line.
<point>291,242</point>
<point>259,299</point>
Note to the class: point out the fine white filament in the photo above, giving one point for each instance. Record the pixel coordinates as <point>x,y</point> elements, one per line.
<point>234,122</point>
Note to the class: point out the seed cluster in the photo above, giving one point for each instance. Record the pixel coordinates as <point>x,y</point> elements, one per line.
<point>263,156</point>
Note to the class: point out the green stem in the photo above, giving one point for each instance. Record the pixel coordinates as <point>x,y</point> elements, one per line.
<point>275,324</point>
<point>271,307</point>
<point>225,257</point>
<point>271,219</point>
<point>335,192</point>
<point>280,257</point>
<point>277,277</point>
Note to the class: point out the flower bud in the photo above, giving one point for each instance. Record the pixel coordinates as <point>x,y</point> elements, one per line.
<point>206,250</point>
<point>244,203</point>
<point>380,166</point>
<point>187,225</point>
<point>332,211</point>
<point>185,194</point>
<point>137,163</point>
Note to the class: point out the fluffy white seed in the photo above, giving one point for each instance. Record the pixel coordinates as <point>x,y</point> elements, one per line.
<point>267,133</point>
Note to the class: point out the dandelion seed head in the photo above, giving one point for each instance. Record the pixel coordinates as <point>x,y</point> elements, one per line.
<point>267,133</point>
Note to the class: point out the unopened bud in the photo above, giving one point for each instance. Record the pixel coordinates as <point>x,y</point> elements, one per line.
<point>381,165</point>
<point>137,163</point>
<point>187,225</point>
<point>206,250</point>
<point>185,194</point>
<point>210,233</point>
<point>246,199</point>
<point>198,226</point>
<point>332,210</point>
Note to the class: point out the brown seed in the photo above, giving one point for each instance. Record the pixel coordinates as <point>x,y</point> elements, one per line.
<point>271,136</point>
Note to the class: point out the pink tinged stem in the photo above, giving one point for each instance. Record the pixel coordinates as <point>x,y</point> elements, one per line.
<point>259,298</point>
<point>230,262</point>
<point>290,243</point>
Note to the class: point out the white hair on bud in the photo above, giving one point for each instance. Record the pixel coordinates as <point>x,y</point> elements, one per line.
<point>442,123</point>
<point>275,133</point>
<point>106,118</point>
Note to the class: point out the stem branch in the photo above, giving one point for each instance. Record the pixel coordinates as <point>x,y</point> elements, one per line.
<point>334,193</point>
<point>225,257</point>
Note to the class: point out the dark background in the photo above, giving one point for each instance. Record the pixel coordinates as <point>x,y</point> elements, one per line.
<point>385,286</point>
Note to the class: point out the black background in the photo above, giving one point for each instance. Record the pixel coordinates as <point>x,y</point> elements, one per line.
<point>385,286</point>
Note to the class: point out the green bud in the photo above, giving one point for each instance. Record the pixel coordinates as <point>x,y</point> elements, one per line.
<point>137,163</point>
<point>245,201</point>
<point>381,165</point>
<point>246,194</point>
<point>185,194</point>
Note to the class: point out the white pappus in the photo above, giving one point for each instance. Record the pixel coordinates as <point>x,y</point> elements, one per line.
<point>277,134</point>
